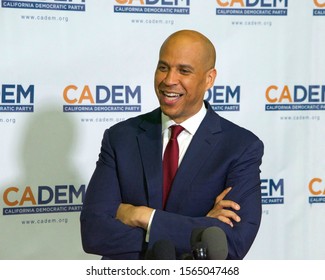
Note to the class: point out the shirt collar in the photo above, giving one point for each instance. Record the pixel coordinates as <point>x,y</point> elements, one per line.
<point>190,125</point>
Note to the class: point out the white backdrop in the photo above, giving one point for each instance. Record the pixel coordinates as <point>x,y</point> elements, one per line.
<point>70,69</point>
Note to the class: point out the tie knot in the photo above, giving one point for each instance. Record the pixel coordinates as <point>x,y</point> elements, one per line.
<point>176,130</point>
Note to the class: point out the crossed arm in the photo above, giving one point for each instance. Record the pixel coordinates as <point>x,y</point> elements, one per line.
<point>105,214</point>
<point>139,216</point>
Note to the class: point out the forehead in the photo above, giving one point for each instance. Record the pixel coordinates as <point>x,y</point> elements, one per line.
<point>181,51</point>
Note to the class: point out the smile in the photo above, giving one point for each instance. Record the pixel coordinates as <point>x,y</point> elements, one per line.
<point>171,95</point>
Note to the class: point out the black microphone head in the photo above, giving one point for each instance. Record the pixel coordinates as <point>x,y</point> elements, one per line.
<point>216,240</point>
<point>199,251</point>
<point>196,236</point>
<point>164,250</point>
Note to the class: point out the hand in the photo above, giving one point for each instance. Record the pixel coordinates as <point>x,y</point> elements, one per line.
<point>134,216</point>
<point>221,210</point>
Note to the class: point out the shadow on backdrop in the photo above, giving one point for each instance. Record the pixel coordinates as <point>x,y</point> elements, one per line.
<point>47,148</point>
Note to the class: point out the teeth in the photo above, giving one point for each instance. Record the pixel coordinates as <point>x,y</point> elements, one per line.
<point>171,94</point>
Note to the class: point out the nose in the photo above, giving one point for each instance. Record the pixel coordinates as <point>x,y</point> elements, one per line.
<point>171,77</point>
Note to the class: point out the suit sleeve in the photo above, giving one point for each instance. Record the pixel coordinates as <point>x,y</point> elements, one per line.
<point>101,232</point>
<point>244,177</point>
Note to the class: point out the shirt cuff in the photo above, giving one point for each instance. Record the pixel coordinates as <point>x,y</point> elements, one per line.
<point>149,225</point>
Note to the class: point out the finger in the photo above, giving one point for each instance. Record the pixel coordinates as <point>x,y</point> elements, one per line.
<point>223,194</point>
<point>224,220</point>
<point>227,204</point>
<point>224,214</point>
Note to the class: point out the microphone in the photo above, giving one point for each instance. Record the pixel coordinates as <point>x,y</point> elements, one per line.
<point>208,244</point>
<point>196,236</point>
<point>199,251</point>
<point>216,241</point>
<point>162,250</point>
<point>198,248</point>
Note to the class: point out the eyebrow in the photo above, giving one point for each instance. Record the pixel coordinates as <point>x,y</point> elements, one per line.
<point>178,65</point>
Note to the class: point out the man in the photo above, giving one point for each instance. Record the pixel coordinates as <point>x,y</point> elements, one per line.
<point>218,178</point>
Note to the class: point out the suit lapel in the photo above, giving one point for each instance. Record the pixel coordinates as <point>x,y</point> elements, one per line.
<point>150,145</point>
<point>202,144</point>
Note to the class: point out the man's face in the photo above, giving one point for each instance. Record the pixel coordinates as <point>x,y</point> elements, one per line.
<point>181,79</point>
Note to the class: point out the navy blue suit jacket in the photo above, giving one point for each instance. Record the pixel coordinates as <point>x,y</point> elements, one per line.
<point>129,170</point>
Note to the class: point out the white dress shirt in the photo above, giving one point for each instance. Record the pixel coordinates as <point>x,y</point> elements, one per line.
<point>184,139</point>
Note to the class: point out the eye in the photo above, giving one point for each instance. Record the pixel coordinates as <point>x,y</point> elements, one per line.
<point>185,71</point>
<point>162,68</point>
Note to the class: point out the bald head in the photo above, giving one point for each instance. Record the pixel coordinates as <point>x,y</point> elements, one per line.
<point>185,71</point>
<point>206,49</point>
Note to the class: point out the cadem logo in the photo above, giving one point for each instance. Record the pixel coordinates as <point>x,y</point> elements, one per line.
<point>319,9</point>
<point>272,191</point>
<point>295,98</point>
<point>17,98</point>
<point>176,7</point>
<point>252,7</point>
<point>101,98</point>
<point>59,5</point>
<point>316,188</point>
<point>43,199</point>
<point>224,98</point>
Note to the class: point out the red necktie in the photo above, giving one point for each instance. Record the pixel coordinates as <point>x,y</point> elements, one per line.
<point>170,161</point>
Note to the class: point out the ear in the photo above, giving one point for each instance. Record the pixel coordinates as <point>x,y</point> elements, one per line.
<point>210,78</point>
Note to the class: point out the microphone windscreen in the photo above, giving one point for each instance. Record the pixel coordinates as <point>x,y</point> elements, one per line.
<point>164,250</point>
<point>216,240</point>
<point>196,236</point>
